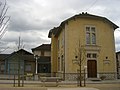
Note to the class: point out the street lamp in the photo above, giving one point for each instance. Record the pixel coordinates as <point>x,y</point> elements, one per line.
<point>36,63</point>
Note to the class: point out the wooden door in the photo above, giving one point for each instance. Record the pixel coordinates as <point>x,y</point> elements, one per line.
<point>92,68</point>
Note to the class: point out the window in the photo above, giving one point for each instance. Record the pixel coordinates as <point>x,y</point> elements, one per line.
<point>2,68</point>
<point>93,38</point>
<point>94,55</point>
<point>28,67</point>
<point>88,38</point>
<point>93,29</point>
<point>91,55</point>
<point>90,35</point>
<point>42,53</point>
<point>58,63</point>
<point>62,42</point>
<point>88,55</point>
<point>88,29</point>
<point>62,64</point>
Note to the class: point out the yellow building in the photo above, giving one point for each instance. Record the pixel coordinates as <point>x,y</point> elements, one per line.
<point>90,33</point>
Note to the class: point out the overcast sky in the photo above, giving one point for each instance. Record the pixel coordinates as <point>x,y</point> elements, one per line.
<point>32,19</point>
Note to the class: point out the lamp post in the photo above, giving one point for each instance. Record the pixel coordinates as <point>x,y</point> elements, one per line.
<point>36,63</point>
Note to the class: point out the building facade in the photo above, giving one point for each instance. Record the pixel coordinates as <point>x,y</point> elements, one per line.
<point>118,64</point>
<point>2,62</point>
<point>90,33</point>
<point>42,54</point>
<point>19,62</point>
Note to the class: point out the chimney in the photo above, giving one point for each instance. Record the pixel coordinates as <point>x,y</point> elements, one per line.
<point>82,12</point>
<point>86,13</point>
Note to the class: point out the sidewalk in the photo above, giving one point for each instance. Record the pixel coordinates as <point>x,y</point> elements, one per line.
<point>64,85</point>
<point>36,85</point>
<point>73,88</point>
<point>64,82</point>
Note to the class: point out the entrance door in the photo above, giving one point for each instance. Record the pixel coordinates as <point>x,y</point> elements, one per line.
<point>92,68</point>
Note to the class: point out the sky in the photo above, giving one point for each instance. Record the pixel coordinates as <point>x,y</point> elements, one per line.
<point>31,20</point>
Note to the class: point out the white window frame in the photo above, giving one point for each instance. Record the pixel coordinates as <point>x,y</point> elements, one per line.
<point>91,32</point>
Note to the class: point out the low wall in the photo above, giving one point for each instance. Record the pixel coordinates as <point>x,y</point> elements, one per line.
<point>66,76</point>
<point>8,77</point>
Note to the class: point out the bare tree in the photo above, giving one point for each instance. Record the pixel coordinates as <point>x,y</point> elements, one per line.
<point>4,19</point>
<point>20,44</point>
<point>79,59</point>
